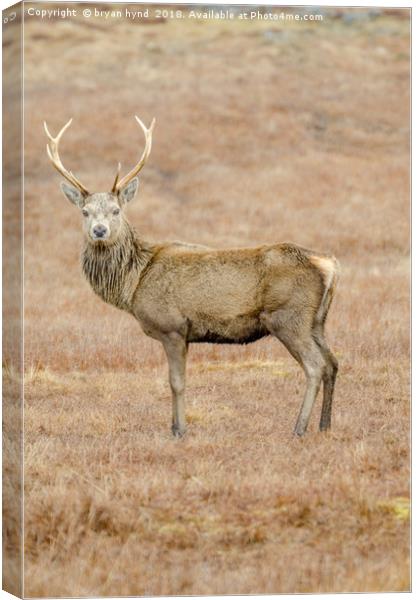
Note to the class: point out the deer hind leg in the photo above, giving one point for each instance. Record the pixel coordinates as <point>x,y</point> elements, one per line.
<point>329,268</point>
<point>176,350</point>
<point>300,343</point>
<point>329,378</point>
<point>311,359</point>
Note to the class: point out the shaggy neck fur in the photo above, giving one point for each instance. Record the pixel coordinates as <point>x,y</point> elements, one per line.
<point>114,270</point>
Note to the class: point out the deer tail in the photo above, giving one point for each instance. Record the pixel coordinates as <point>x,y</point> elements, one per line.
<point>329,268</point>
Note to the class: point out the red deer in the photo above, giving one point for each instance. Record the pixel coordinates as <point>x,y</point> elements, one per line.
<point>182,293</point>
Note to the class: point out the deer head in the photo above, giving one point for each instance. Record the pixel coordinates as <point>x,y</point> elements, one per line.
<point>102,212</point>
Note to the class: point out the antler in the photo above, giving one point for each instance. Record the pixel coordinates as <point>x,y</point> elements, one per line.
<point>52,150</point>
<point>118,185</point>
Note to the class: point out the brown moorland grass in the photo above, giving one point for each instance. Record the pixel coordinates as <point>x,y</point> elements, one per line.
<point>265,132</point>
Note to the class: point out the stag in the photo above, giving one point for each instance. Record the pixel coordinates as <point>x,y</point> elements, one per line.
<point>182,293</point>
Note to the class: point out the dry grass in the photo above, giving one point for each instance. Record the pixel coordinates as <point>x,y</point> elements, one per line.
<point>294,132</point>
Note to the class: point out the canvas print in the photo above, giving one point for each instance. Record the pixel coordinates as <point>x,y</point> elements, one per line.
<point>206,299</point>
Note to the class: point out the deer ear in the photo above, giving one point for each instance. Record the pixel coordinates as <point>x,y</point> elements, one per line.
<point>127,193</point>
<point>73,195</point>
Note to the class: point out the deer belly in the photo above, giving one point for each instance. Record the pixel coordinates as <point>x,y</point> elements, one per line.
<point>240,330</point>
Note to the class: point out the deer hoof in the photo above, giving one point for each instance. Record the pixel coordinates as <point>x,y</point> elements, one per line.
<point>299,432</point>
<point>178,432</point>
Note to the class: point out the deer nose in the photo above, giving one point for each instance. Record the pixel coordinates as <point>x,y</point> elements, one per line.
<point>99,231</point>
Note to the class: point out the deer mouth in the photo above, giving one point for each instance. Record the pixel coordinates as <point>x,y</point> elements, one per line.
<point>100,242</point>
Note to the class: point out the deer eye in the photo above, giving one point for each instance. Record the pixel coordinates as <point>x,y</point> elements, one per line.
<point>85,212</point>
<point>116,211</point>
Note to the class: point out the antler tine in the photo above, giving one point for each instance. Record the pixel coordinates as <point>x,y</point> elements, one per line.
<point>53,154</point>
<point>116,179</point>
<point>118,185</point>
<point>60,134</point>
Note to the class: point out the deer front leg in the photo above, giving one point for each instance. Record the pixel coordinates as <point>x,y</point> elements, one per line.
<point>176,350</point>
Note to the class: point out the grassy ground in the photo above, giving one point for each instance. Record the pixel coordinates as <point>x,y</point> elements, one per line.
<point>265,132</point>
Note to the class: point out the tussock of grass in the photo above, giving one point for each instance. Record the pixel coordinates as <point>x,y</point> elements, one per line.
<point>10,373</point>
<point>38,374</point>
<point>195,416</point>
<point>399,507</point>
